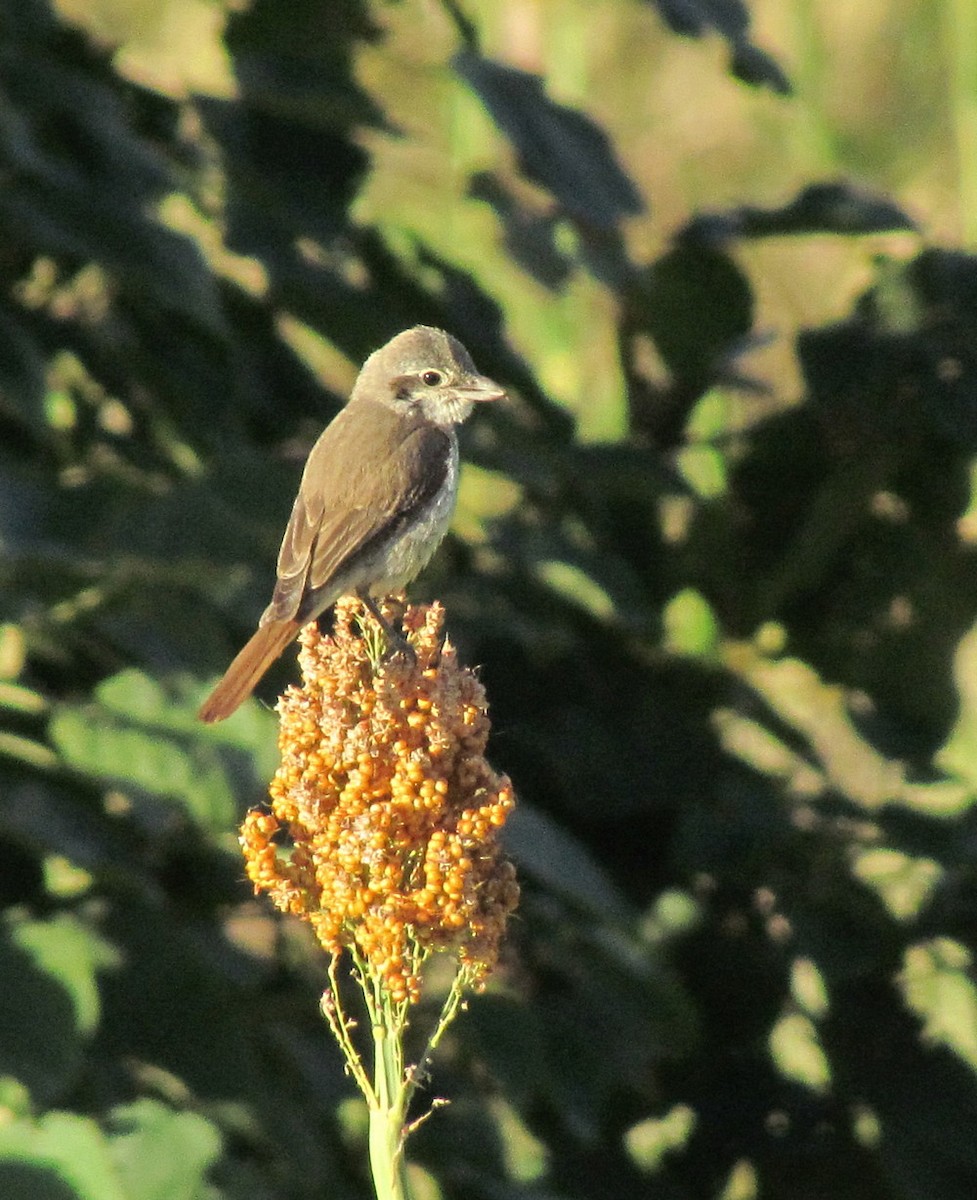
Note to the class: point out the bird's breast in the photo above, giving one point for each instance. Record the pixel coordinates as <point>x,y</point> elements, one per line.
<point>410,551</point>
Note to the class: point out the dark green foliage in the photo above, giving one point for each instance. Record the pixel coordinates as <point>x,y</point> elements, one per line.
<point>731,668</point>
<point>731,19</point>
<point>559,149</point>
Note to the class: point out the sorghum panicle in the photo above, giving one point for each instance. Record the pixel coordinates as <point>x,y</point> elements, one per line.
<point>385,814</point>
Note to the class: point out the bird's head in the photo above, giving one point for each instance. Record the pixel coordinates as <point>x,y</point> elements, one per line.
<point>428,371</point>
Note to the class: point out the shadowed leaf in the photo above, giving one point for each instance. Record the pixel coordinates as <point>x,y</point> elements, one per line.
<point>820,208</point>
<point>693,18</point>
<point>558,148</point>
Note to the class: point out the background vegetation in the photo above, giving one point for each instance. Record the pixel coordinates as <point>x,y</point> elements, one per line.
<point>717,558</point>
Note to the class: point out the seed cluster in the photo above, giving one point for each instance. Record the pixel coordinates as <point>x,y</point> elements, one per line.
<point>385,814</point>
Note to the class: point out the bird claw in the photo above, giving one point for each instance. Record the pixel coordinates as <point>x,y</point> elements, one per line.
<point>397,645</point>
<point>401,649</point>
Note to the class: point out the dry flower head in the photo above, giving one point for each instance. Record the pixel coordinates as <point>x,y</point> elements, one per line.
<point>385,815</point>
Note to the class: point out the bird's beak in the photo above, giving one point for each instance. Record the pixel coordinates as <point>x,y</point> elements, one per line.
<point>479,389</point>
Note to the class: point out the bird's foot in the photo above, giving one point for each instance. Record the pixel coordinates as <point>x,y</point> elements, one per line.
<point>397,646</point>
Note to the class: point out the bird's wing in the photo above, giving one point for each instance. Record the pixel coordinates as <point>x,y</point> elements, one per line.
<point>343,510</point>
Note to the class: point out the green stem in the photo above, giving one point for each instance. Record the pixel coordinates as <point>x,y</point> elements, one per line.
<point>389,1110</point>
<point>342,1030</point>
<point>449,1011</point>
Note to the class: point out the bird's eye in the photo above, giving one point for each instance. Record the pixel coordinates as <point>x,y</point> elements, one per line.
<point>431,378</point>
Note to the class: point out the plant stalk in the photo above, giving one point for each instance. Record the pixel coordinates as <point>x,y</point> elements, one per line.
<point>388,1110</point>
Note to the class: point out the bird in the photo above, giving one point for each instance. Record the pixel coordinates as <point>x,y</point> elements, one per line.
<point>376,497</point>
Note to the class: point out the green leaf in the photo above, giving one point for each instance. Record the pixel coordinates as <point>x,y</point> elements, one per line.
<point>556,858</point>
<point>650,1141</point>
<point>526,1157</point>
<point>704,469</point>
<point>958,754</point>
<point>136,736</point>
<point>128,755</point>
<point>531,233</point>
<point>693,277</point>
<point>795,1049</point>
<point>596,581</point>
<point>559,148</point>
<point>575,585</point>
<point>905,884</point>
<point>150,262</point>
<point>936,981</point>
<point>690,625</point>
<point>70,953</point>
<point>818,712</point>
<point>161,1154</point>
<point>731,19</point>
<point>820,208</point>
<point>49,1000</point>
<point>58,1157</point>
<point>47,1004</point>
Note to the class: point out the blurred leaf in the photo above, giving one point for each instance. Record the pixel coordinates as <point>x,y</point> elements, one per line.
<point>44,815</point>
<point>796,1051</point>
<point>291,177</point>
<point>558,148</point>
<point>70,953</point>
<point>705,470</point>
<point>137,737</point>
<point>526,1156</point>
<point>128,755</point>
<point>958,754</point>
<point>59,1156</point>
<point>690,625</point>
<point>692,278</point>
<point>837,207</point>
<point>49,1005</point>
<point>651,1140</point>
<point>936,981</point>
<point>160,1154</point>
<point>573,583</point>
<point>904,365</point>
<point>731,19</point>
<point>808,988</point>
<point>818,712</point>
<point>755,66</point>
<point>21,699</point>
<point>759,747</point>
<point>304,65</point>
<point>22,373</point>
<point>905,884</point>
<point>599,583</point>
<point>288,141</point>
<point>149,261</point>
<point>946,800</point>
<point>531,234</point>
<point>925,1097</point>
<point>557,859</point>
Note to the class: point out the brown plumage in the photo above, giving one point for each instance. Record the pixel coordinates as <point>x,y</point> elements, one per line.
<point>376,496</point>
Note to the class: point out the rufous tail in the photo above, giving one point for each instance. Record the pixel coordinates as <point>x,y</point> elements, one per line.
<point>241,677</point>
